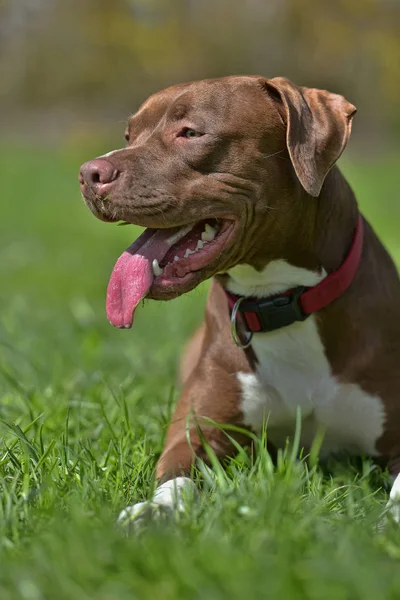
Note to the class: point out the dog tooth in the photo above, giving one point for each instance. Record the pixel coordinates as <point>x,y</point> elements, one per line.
<point>200,245</point>
<point>210,229</point>
<point>207,237</point>
<point>176,258</point>
<point>157,270</point>
<point>182,231</point>
<point>188,252</point>
<point>209,234</point>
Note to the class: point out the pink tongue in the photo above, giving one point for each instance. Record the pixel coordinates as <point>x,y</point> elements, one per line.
<point>133,275</point>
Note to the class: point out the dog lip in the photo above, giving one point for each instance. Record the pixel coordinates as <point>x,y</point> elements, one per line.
<point>168,286</point>
<point>205,237</point>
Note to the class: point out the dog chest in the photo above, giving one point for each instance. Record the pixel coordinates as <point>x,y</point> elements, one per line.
<point>293,372</point>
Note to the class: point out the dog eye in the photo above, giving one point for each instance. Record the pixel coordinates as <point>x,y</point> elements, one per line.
<point>190,133</point>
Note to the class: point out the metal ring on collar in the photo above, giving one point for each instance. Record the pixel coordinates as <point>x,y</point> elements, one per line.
<point>234,332</point>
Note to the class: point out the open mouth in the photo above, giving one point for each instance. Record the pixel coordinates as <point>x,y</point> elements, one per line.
<point>164,262</point>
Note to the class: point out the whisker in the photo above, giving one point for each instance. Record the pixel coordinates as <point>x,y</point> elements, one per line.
<point>275,153</point>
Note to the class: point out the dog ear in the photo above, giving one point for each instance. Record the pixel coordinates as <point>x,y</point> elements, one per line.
<point>318,126</point>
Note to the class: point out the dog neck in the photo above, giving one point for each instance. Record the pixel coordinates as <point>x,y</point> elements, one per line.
<point>316,247</point>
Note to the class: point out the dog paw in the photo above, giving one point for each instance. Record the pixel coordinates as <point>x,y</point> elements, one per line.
<point>168,499</point>
<point>143,512</point>
<point>392,509</point>
<point>392,512</point>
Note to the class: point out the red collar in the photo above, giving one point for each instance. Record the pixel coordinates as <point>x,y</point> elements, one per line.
<point>273,312</point>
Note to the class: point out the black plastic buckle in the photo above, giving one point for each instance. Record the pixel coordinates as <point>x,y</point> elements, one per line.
<point>276,312</point>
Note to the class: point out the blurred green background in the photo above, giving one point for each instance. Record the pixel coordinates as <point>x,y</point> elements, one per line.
<point>69,66</point>
<point>93,402</point>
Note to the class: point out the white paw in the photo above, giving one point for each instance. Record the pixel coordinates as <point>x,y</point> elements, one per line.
<point>168,498</point>
<point>141,512</point>
<point>392,509</point>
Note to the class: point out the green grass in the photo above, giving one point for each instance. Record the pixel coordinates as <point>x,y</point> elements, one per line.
<point>84,409</point>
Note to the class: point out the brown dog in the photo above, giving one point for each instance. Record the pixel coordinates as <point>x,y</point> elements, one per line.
<point>235,179</point>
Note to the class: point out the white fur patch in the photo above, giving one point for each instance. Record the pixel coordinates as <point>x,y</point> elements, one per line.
<point>293,372</point>
<point>277,277</point>
<point>111,153</point>
<point>393,505</point>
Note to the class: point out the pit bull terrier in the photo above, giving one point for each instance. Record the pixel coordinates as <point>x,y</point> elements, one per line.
<point>235,179</point>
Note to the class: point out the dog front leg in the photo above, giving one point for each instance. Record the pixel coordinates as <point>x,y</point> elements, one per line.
<point>207,397</point>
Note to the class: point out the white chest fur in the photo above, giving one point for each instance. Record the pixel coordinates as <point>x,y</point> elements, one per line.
<point>293,372</point>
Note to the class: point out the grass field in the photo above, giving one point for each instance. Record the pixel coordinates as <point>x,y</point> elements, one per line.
<point>84,409</point>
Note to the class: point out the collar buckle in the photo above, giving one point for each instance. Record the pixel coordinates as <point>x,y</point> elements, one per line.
<point>277,311</point>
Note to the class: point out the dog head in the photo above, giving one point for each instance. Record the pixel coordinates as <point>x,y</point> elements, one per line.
<point>219,172</point>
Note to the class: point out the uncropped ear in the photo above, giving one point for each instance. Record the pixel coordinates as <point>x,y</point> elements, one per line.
<point>318,126</point>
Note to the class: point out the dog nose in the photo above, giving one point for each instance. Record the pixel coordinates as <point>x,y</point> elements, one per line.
<point>98,174</point>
